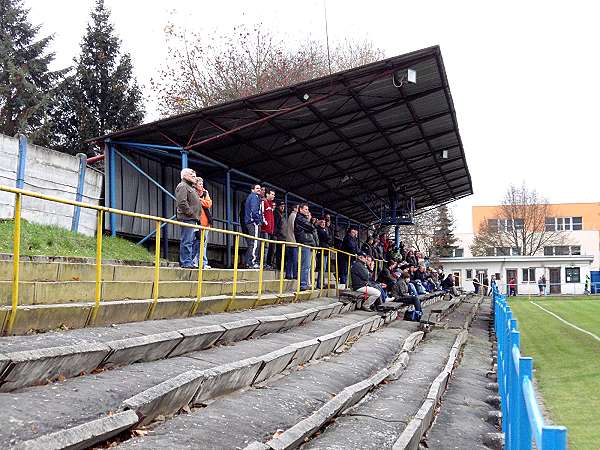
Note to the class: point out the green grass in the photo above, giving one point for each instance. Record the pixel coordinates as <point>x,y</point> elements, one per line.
<point>566,362</point>
<point>54,241</point>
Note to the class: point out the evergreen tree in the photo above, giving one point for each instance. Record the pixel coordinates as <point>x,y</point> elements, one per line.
<point>102,95</point>
<point>26,83</point>
<point>443,235</point>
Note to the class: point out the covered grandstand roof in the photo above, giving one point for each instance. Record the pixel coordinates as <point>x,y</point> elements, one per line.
<point>340,141</point>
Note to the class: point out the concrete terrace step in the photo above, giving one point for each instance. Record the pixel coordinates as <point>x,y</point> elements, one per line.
<point>52,292</point>
<point>468,386</point>
<point>67,271</point>
<point>238,419</point>
<point>31,360</point>
<point>89,401</point>
<point>76,315</point>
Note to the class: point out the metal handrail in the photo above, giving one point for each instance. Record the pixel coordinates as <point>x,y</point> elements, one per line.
<point>159,222</point>
<point>522,420</point>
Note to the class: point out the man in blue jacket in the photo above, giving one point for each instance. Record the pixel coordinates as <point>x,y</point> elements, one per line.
<point>253,219</point>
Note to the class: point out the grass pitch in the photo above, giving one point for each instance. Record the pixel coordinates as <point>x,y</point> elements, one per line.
<point>566,361</point>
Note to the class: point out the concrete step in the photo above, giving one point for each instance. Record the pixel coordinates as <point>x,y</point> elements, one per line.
<point>67,271</point>
<point>39,318</point>
<point>37,359</point>
<point>464,404</point>
<point>237,420</point>
<point>95,405</point>
<point>53,292</point>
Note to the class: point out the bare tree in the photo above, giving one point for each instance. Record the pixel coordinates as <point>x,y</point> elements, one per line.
<point>421,235</point>
<point>204,70</point>
<point>519,223</point>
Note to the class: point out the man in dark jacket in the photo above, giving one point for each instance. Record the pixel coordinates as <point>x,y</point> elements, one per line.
<point>403,295</point>
<point>325,241</point>
<point>188,210</point>
<point>253,219</point>
<point>387,276</point>
<point>349,245</point>
<point>306,234</point>
<point>280,222</point>
<point>361,282</point>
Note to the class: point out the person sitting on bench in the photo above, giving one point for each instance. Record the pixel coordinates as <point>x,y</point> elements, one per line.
<point>361,282</point>
<point>388,276</point>
<point>402,293</point>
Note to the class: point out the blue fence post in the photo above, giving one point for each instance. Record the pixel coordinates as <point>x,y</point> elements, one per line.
<point>184,159</point>
<point>554,438</point>
<point>525,435</point>
<point>22,161</point>
<point>515,417</point>
<point>112,186</point>
<point>79,195</point>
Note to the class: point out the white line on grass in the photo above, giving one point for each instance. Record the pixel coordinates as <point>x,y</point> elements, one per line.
<point>567,323</point>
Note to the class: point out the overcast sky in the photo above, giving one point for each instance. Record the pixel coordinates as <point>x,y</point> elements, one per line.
<point>524,75</point>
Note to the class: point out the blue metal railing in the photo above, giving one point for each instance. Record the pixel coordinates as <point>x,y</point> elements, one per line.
<point>522,419</point>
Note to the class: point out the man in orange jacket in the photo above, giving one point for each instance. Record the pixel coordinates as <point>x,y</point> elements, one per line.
<point>205,219</point>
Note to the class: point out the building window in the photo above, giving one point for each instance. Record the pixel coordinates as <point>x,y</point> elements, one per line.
<point>572,274</point>
<point>516,251</point>
<point>459,252</point>
<point>529,275</point>
<point>469,273</point>
<point>502,251</point>
<point>497,276</point>
<point>489,251</point>
<point>507,225</point>
<point>563,223</point>
<point>562,250</point>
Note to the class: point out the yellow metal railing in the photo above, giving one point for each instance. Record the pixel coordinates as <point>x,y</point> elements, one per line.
<point>101,210</point>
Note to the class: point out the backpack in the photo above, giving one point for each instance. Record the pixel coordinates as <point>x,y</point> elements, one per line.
<point>413,315</point>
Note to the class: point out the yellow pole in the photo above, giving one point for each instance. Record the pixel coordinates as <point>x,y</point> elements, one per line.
<point>299,267</point>
<point>313,264</point>
<point>321,274</point>
<point>260,272</point>
<point>328,269</point>
<point>282,268</point>
<point>348,274</point>
<point>98,291</point>
<point>156,272</point>
<point>200,274</point>
<point>16,260</point>
<point>337,285</point>
<point>236,253</point>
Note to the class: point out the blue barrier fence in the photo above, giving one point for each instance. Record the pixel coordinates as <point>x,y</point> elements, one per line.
<point>522,419</point>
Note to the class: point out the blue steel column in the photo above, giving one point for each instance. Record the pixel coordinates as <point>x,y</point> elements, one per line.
<point>112,186</point>
<point>22,162</point>
<point>397,235</point>
<point>228,215</point>
<point>163,213</point>
<point>79,195</point>
<point>184,159</point>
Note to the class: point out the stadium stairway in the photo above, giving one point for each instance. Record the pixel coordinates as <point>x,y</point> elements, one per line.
<point>59,293</point>
<point>147,375</point>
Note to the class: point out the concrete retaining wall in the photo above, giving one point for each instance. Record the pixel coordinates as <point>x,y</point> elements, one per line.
<point>51,173</point>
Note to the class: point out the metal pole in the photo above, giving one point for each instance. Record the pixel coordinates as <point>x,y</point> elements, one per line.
<point>321,272</point>
<point>313,264</point>
<point>16,266</point>
<point>337,285</point>
<point>235,269</point>
<point>260,271</point>
<point>200,274</point>
<point>328,270</point>
<point>282,269</point>
<point>156,272</point>
<point>22,162</point>
<point>228,215</point>
<point>348,274</point>
<point>299,267</point>
<point>98,286</point>
<point>184,159</point>
<point>79,195</point>
<point>112,187</point>
<point>165,239</point>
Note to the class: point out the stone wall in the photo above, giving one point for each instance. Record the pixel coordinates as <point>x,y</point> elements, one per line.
<point>51,173</point>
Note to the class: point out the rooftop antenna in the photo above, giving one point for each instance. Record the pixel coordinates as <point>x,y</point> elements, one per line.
<point>327,36</point>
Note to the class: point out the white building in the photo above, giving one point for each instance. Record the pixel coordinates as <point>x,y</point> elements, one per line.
<point>565,267</point>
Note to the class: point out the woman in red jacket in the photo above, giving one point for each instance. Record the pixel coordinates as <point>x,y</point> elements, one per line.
<point>268,228</point>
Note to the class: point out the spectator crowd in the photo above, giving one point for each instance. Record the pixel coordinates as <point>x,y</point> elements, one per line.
<point>381,271</point>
